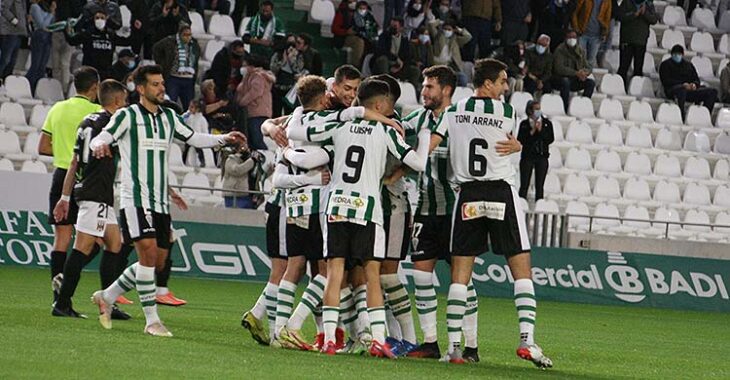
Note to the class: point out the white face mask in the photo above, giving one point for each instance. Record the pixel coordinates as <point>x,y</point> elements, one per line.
<point>571,42</point>
<point>424,38</point>
<point>100,24</point>
<point>417,7</point>
<point>362,12</point>
<point>244,71</point>
<point>448,33</point>
<point>352,6</point>
<point>131,87</point>
<point>540,49</point>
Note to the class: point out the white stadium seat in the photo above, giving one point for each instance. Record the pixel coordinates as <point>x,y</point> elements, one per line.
<point>724,45</point>
<point>197,26</point>
<point>611,60</point>
<point>519,100</point>
<point>697,142</point>
<point>639,138</point>
<point>637,189</point>
<point>577,186</point>
<point>696,194</point>
<point>465,92</point>
<point>722,196</point>
<point>49,90</point>
<point>641,86</point>
<point>38,116</point>
<point>552,184</point>
<point>674,16</point>
<point>608,161</point>
<point>667,166</point>
<point>579,133</point>
<point>13,117</point>
<point>725,21</point>
<point>195,180</point>
<point>697,168</point>
<point>664,214</point>
<point>667,193</point>
<point>222,26</point>
<point>668,139</point>
<point>555,161</point>
<point>546,206</point>
<point>637,163</point>
<point>722,219</point>
<point>671,38</point>
<point>669,113</point>
<point>722,170</point>
<point>10,146</point>
<point>641,216</point>
<point>176,160</point>
<point>722,144</point>
<point>30,146</point>
<point>581,107</point>
<point>34,166</point>
<point>611,109</point>
<point>323,11</point>
<point>552,105</point>
<point>640,112</point>
<point>703,65</point>
<point>699,116</point>
<point>6,165</point>
<point>702,42</point>
<point>578,159</point>
<point>704,19</point>
<point>602,211</point>
<point>607,187</point>
<point>723,118</point>
<point>18,89</point>
<point>212,48</point>
<point>609,135</point>
<point>697,217</point>
<point>612,84</point>
<point>576,222</point>
<point>408,95</point>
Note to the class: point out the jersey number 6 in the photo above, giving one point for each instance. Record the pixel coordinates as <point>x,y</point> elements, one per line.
<point>353,159</point>
<point>477,162</point>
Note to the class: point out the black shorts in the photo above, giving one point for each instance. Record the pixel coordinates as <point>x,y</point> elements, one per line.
<point>430,238</point>
<point>307,242</point>
<point>397,233</point>
<point>356,243</point>
<point>275,231</point>
<point>488,212</point>
<point>56,191</point>
<point>137,223</point>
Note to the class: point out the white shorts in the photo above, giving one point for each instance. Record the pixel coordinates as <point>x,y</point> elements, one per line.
<point>94,217</point>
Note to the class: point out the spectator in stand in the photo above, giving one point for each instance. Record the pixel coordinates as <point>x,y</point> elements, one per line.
<point>220,6</point>
<point>681,82</point>
<point>393,8</point>
<point>287,64</point>
<point>61,51</point>
<point>165,18</point>
<point>365,27</point>
<point>592,21</point>
<point>97,44</point>
<point>236,176</point>
<point>447,39</point>
<point>634,34</point>
<point>539,67</point>
<point>725,84</point>
<point>139,26</point>
<point>195,119</point>
<point>42,14</point>
<point>394,54</point>
<point>536,135</point>
<point>422,50</point>
<point>254,93</point>
<point>312,58</point>
<point>571,69</point>
<point>226,69</point>
<point>554,19</point>
<point>417,14</point>
<point>109,7</point>
<point>480,17</point>
<point>516,19</point>
<point>218,111</point>
<point>178,55</point>
<point>125,64</point>
<point>442,10</point>
<point>264,31</point>
<point>515,58</point>
<point>13,28</point>
<point>132,94</point>
<point>251,7</point>
<point>343,29</point>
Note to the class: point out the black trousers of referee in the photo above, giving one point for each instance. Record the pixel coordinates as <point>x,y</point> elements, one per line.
<point>527,164</point>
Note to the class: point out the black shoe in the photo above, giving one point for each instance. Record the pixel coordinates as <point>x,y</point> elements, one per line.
<point>426,351</point>
<point>471,354</point>
<point>120,314</point>
<point>66,312</point>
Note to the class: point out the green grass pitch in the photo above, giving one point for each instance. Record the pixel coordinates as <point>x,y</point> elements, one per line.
<point>584,341</point>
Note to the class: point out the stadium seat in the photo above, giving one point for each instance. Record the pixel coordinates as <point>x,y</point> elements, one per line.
<point>699,116</point>
<point>667,166</point>
<point>34,166</point>
<point>722,170</point>
<point>605,216</point>
<point>222,27</point>
<point>211,49</point>
<point>640,215</point>
<point>579,133</point>
<point>637,163</point>
<point>722,219</point>
<point>323,11</point>
<point>671,38</point>
<point>697,217</point>
<point>722,144</point>
<point>552,184</point>
<point>674,16</point>
<point>611,109</point>
<point>607,161</point>
<point>724,45</point>
<point>669,113</point>
<point>703,19</point>
<point>609,135</point>
<point>18,89</point>
<point>696,195</point>
<point>6,165</point>
<point>637,189</point>
<point>666,216</point>
<point>611,60</point>
<point>197,27</point>
<point>581,107</point>
<point>697,142</point>
<point>640,112</point>
<point>651,42</point>
<point>641,87</point>
<point>722,197</point>
<point>30,146</point>
<point>546,206</point>
<point>49,90</point>
<point>666,193</point>
<point>244,26</point>
<point>724,23</point>
<point>176,160</point>
<point>697,168</point>
<point>466,92</point>
<point>612,84</point>
<point>38,116</point>
<point>13,117</point>
<point>649,65</point>
<point>558,130</point>
<point>578,159</point>
<point>577,223</point>
<point>408,99</point>
<point>10,146</point>
<point>639,138</point>
<point>668,140</point>
<point>723,118</point>
<point>606,188</point>
<point>555,161</point>
<point>193,179</point>
<point>552,105</point>
<point>577,186</point>
<point>519,100</point>
<point>702,42</point>
<point>703,65</point>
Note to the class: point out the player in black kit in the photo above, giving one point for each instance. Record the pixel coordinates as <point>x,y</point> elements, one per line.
<point>93,189</point>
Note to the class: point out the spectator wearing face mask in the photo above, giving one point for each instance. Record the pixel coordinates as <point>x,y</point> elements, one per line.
<point>287,64</point>
<point>179,55</point>
<point>97,44</point>
<point>312,58</point>
<point>447,39</point>
<point>225,69</point>
<point>421,43</point>
<point>571,69</point>
<point>442,10</point>
<point>681,82</point>
<point>108,7</point>
<point>515,58</point>
<point>539,67</point>
<point>417,14</point>
<point>554,19</point>
<point>125,64</point>
<point>236,171</point>
<point>255,94</point>
<point>515,19</point>
<point>394,54</point>
<point>536,135</point>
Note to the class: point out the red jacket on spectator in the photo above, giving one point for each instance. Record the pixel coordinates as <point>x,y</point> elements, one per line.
<point>254,92</point>
<point>343,20</point>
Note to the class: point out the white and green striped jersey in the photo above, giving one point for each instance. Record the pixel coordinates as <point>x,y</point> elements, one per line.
<point>361,148</point>
<point>277,196</point>
<point>474,126</point>
<point>307,199</point>
<point>144,139</point>
<point>395,195</point>
<point>436,195</point>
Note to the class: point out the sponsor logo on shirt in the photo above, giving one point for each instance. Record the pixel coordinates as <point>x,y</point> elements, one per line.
<point>489,210</point>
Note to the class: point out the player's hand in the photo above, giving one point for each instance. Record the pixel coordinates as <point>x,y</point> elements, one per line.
<point>235,138</point>
<point>326,176</point>
<point>60,212</point>
<point>102,151</point>
<point>397,174</point>
<point>509,146</point>
<point>279,136</point>
<point>178,200</point>
<point>396,125</point>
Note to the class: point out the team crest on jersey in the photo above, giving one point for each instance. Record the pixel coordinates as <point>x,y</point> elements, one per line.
<point>100,225</point>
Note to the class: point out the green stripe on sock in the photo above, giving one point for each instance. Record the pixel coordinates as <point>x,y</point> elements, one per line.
<point>146,292</point>
<point>308,304</point>
<point>329,308</point>
<point>393,289</point>
<point>319,284</point>
<point>526,307</point>
<point>527,320</point>
<point>148,303</point>
<point>271,298</point>
<point>140,282</point>
<point>347,298</point>
<point>425,298</point>
<point>426,311</point>
<point>350,320</point>
<point>424,287</point>
<point>454,316</point>
<point>472,299</point>
<point>335,322</point>
<point>313,294</point>
<point>525,295</point>
<point>377,323</point>
<point>285,315</point>
<point>124,286</point>
<point>287,292</point>
<point>399,300</point>
<point>401,312</point>
<point>471,311</point>
<point>453,329</point>
<point>456,303</point>
<point>288,304</point>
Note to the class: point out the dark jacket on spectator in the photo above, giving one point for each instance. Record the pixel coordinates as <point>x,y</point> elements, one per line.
<point>13,9</point>
<point>537,145</point>
<point>672,74</point>
<point>69,9</point>
<point>634,29</point>
<point>567,61</point>
<point>163,26</point>
<point>119,71</point>
<point>486,9</point>
<point>312,61</point>
<point>538,65</point>
<point>516,11</point>
<point>383,49</point>
<point>109,7</point>
<point>165,53</point>
<point>221,72</point>
<point>98,48</point>
<point>554,20</point>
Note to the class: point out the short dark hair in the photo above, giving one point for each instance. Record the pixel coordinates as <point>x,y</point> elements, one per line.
<point>236,43</point>
<point>444,75</point>
<point>267,3</point>
<point>677,49</point>
<point>347,72</point>
<point>306,38</point>
<point>393,85</point>
<point>257,60</point>
<point>528,107</point>
<point>370,89</point>
<point>399,19</point>
<point>85,77</point>
<point>108,88</point>
<point>309,88</point>
<point>487,69</point>
<point>140,79</point>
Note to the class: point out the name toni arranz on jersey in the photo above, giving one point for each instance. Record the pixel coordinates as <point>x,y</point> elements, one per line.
<point>478,120</point>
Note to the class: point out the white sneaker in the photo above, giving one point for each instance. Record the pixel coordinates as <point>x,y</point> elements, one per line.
<point>157,329</point>
<point>533,353</point>
<point>105,310</point>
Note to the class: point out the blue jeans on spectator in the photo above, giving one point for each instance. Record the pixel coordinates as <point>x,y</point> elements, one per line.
<point>239,202</point>
<point>255,136</point>
<point>40,52</point>
<point>182,88</point>
<point>481,34</point>
<point>590,45</point>
<point>9,46</point>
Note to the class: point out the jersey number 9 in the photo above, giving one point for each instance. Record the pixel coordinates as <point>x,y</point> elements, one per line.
<point>477,162</point>
<point>353,159</point>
